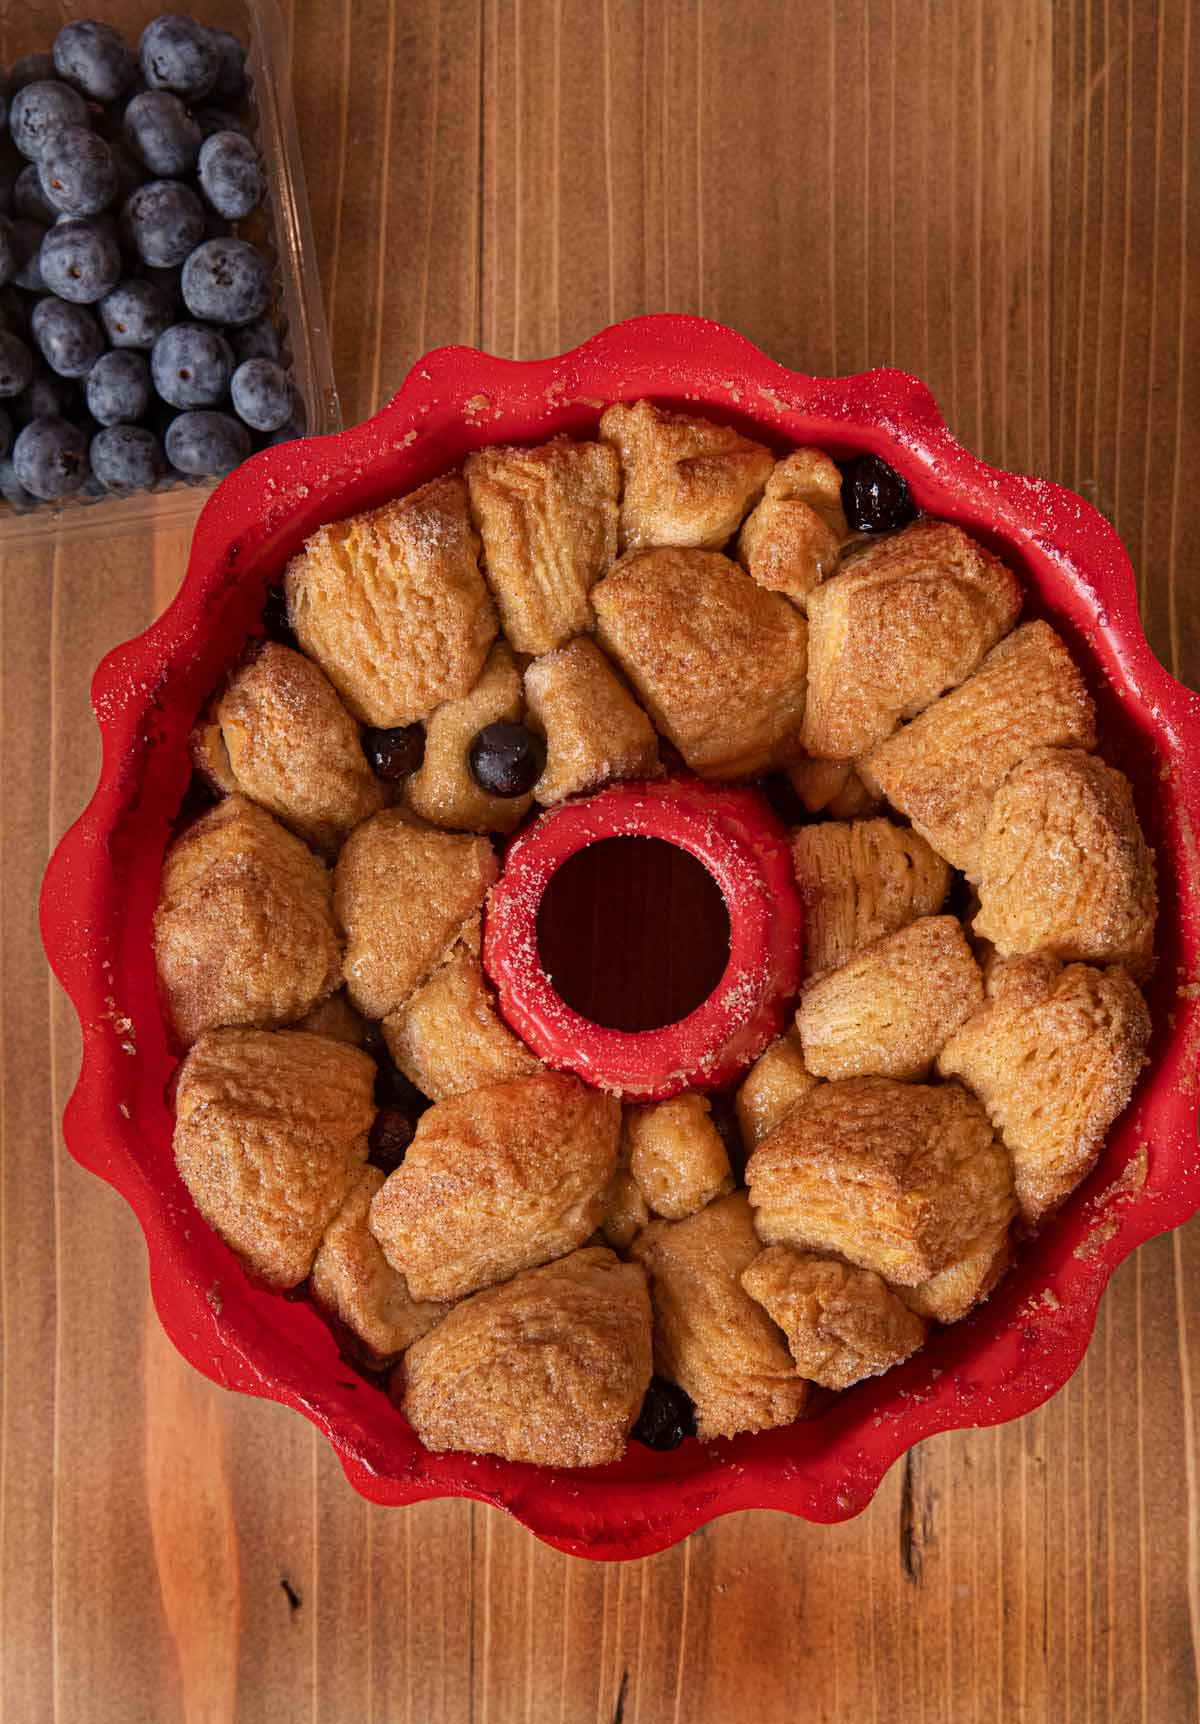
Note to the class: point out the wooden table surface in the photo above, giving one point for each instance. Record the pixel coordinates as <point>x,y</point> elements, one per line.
<point>996,196</point>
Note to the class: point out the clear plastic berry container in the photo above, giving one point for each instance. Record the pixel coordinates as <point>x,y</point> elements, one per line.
<point>30,26</point>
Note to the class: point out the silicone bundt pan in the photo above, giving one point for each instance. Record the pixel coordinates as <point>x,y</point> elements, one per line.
<point>99,893</point>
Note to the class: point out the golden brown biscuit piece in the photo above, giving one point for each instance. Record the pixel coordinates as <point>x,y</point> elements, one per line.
<point>442,789</point>
<point>1063,866</point>
<point>793,538</point>
<point>890,1008</point>
<point>676,1155</point>
<point>860,880</point>
<point>551,1368</point>
<point>352,1279</point>
<point>337,1019</point>
<point>842,1324</point>
<point>392,605</point>
<point>774,1083</point>
<point>906,618</point>
<point>1053,1056</point>
<point>955,1291</point>
<point>626,1211</point>
<point>896,1177</point>
<point>449,1038</point>
<point>832,787</point>
<point>270,1133</point>
<point>244,930</point>
<point>710,1336</point>
<point>498,1180</point>
<point>209,754</point>
<point>944,768</point>
<point>595,731</point>
<point>403,896</point>
<point>293,747</point>
<point>548,521</point>
<point>687,481</point>
<point>717,661</point>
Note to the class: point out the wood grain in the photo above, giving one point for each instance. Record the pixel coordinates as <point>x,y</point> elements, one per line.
<point>1001,198</point>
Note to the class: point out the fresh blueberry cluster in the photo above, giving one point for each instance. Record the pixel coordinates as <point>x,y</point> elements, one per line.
<point>136,342</point>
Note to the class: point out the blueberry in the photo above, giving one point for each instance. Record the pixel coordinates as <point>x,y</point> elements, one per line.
<point>256,341</point>
<point>14,308</point>
<point>163,222</point>
<point>874,496</point>
<point>178,53</point>
<point>118,387</point>
<point>226,281</point>
<point>80,261</point>
<point>6,433</point>
<point>12,489</point>
<point>46,396</point>
<point>393,754</point>
<point>28,236</point>
<point>50,458</point>
<point>11,163</point>
<point>68,337</point>
<point>261,394</point>
<point>127,458</point>
<point>40,110</point>
<point>212,120</point>
<point>229,174</point>
<point>162,134</point>
<point>192,365</point>
<point>391,1133</point>
<point>16,364</point>
<point>205,444</point>
<point>94,58</point>
<point>230,84</point>
<point>666,1418</point>
<point>30,69</point>
<point>134,314</point>
<point>130,172</point>
<point>10,259</point>
<point>506,759</point>
<point>77,172</point>
<point>29,200</point>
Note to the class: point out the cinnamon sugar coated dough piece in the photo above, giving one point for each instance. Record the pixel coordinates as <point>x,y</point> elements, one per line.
<point>1063,866</point>
<point>1053,1056</point>
<point>551,1368</point>
<point>948,1296</point>
<point>352,1279</point>
<point>626,1211</point>
<point>676,1155</point>
<point>944,768</point>
<point>548,521</point>
<point>293,747</point>
<point>392,605</point>
<point>448,1037</point>
<point>499,1179</point>
<point>244,930</point>
<point>687,481</point>
<point>775,1082</point>
<point>442,790</point>
<point>710,1336</point>
<point>905,618</point>
<point>336,1018</point>
<point>897,1177</point>
<point>889,1009</point>
<point>842,1324</point>
<point>717,661</point>
<point>832,787</point>
<point>594,729</point>
<point>210,757</point>
<point>860,880</point>
<point>793,538</point>
<point>403,896</point>
<point>270,1133</point>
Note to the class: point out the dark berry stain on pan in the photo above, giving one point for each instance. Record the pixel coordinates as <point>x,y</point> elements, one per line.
<point>293,1597</point>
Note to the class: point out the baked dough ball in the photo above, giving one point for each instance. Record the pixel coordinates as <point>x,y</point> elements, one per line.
<point>1063,866</point>
<point>842,1324</point>
<point>717,661</point>
<point>270,1134</point>
<point>552,1368</point>
<point>210,757</point>
<point>896,1177</point>
<point>775,1082</point>
<point>244,930</point>
<point>392,605</point>
<point>676,1155</point>
<point>498,1180</point>
<point>352,1279</point>
<point>442,789</point>
<point>336,1018</point>
<point>449,1038</point>
<point>403,896</point>
<point>949,1295</point>
<point>889,1009</point>
<point>906,618</point>
<point>626,1211</point>
<point>832,787</point>
<point>1053,1056</point>
<point>710,1336</point>
<point>548,521</point>
<point>595,731</point>
<point>944,768</point>
<point>687,481</point>
<point>860,880</point>
<point>793,538</point>
<point>293,747</point>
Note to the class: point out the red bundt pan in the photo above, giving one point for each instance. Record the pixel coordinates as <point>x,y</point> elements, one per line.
<point>99,892</point>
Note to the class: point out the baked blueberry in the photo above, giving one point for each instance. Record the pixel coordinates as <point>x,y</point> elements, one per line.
<point>666,1418</point>
<point>6,433</point>
<point>874,496</point>
<point>134,314</point>
<point>50,459</point>
<point>261,394</point>
<point>177,53</point>
<point>29,69</point>
<point>230,85</point>
<point>256,341</point>
<point>118,388</point>
<point>16,365</point>
<point>506,759</point>
<point>94,58</point>
<point>162,134</point>
<point>80,261</point>
<point>226,281</point>
<point>229,174</point>
<point>204,444</point>
<point>393,754</point>
<point>192,365</point>
<point>163,222</point>
<point>27,236</point>
<point>9,256</point>
<point>391,1133</point>
<point>68,337</point>
<point>127,458</point>
<point>29,200</point>
<point>40,110</point>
